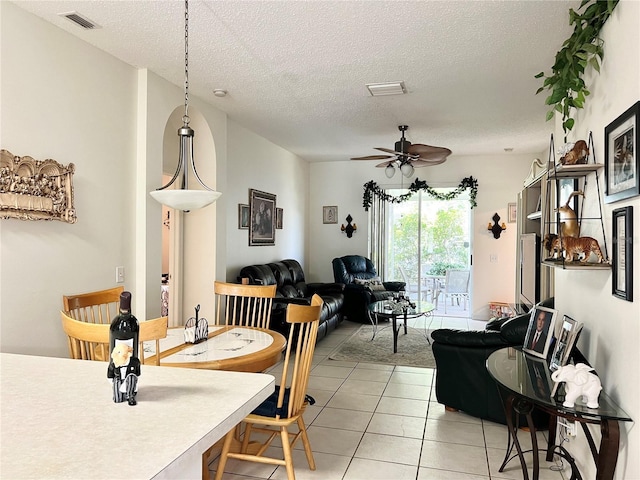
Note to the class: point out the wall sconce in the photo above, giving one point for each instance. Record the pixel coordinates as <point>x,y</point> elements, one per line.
<point>349,229</point>
<point>496,228</point>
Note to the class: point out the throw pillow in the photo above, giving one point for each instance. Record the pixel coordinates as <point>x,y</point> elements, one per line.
<point>375,284</point>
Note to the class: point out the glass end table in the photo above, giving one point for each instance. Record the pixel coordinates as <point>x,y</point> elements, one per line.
<point>388,310</point>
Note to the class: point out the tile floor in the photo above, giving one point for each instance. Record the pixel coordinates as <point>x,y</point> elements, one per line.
<point>380,422</point>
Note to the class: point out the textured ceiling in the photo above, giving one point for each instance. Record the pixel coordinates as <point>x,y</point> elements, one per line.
<point>296,70</point>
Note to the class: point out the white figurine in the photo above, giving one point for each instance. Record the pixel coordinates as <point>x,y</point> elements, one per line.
<point>579,382</point>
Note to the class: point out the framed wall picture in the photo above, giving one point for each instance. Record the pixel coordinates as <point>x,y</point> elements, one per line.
<point>622,280</point>
<point>621,160</point>
<point>330,214</point>
<point>262,225</point>
<point>243,216</point>
<point>512,210</point>
<point>279,214</point>
<point>540,331</point>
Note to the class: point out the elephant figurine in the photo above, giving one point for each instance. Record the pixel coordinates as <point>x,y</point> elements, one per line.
<point>579,382</point>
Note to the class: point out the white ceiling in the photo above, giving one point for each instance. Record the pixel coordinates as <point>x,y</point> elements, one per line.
<point>296,70</point>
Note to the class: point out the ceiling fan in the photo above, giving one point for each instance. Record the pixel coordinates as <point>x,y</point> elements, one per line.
<point>407,156</point>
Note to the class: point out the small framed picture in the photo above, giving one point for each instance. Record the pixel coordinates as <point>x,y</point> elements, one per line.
<point>330,214</point>
<point>564,343</point>
<point>622,280</point>
<point>540,331</point>
<point>621,157</point>
<point>279,214</point>
<point>512,210</point>
<point>243,216</point>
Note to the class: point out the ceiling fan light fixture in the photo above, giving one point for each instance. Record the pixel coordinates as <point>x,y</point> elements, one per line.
<point>406,169</point>
<point>387,88</point>
<point>389,171</point>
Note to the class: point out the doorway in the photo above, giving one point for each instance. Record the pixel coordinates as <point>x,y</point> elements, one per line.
<point>425,238</point>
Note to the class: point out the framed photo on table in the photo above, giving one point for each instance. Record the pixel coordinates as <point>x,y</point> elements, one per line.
<point>621,159</point>
<point>564,343</point>
<point>622,280</point>
<point>262,228</point>
<point>540,331</point>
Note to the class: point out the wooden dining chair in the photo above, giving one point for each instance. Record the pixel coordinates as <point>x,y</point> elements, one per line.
<point>154,329</point>
<point>93,307</point>
<point>287,404</point>
<point>87,341</point>
<point>243,305</point>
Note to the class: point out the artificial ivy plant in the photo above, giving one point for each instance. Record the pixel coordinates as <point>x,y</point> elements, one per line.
<point>582,49</point>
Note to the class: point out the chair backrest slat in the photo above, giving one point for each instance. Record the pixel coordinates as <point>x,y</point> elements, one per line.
<point>87,341</point>
<point>304,320</point>
<point>243,305</point>
<point>154,329</point>
<point>93,307</point>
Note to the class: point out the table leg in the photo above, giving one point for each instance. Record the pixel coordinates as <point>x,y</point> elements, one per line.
<point>513,434</point>
<point>608,454</point>
<point>534,444</point>
<point>394,321</point>
<point>405,321</point>
<point>373,318</point>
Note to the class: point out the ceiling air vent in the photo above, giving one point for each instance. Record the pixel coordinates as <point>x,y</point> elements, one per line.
<point>80,20</point>
<point>388,88</point>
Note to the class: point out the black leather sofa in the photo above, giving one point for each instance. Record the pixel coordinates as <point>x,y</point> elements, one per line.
<point>357,298</point>
<point>288,275</point>
<point>462,380</point>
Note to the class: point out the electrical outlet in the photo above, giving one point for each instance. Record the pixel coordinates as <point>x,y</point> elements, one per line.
<point>493,258</point>
<point>568,425</point>
<point>119,274</point>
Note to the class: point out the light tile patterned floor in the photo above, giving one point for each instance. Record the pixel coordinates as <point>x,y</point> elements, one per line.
<point>379,422</point>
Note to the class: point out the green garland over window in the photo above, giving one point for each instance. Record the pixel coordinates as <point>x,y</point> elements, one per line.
<point>371,188</point>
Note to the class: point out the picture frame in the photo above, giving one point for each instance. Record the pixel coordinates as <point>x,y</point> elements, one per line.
<point>512,210</point>
<point>621,158</point>
<point>540,377</point>
<point>262,225</point>
<point>564,342</point>
<point>622,258</point>
<point>330,214</point>
<point>243,216</point>
<point>540,331</point>
<point>279,214</point>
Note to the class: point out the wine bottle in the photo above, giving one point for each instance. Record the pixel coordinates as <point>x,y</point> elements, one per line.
<point>125,327</point>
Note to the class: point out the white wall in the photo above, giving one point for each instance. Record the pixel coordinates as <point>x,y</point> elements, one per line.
<point>256,163</point>
<point>499,180</point>
<point>612,326</point>
<point>92,126</point>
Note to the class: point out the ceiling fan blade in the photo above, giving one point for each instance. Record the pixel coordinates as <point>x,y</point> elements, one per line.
<point>424,151</point>
<point>372,157</point>
<point>388,150</point>
<point>427,163</point>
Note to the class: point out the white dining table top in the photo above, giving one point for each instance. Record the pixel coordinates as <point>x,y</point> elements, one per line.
<point>58,419</point>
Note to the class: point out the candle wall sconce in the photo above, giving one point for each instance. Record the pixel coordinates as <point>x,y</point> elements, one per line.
<point>349,229</point>
<point>496,228</point>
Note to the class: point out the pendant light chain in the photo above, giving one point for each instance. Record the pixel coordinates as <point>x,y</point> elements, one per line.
<point>185,118</point>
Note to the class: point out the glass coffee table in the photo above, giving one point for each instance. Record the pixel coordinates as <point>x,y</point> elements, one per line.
<point>393,311</point>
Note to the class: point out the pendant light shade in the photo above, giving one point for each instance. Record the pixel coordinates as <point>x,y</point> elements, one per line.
<point>183,198</point>
<point>406,169</point>
<point>389,171</point>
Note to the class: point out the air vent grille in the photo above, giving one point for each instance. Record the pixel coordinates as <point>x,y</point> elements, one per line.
<point>80,20</point>
<point>389,88</point>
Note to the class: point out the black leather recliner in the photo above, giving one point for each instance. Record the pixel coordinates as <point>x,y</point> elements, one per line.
<point>462,380</point>
<point>357,298</point>
<point>292,288</point>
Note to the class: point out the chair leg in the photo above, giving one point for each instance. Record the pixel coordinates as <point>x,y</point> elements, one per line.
<point>288,459</point>
<point>306,444</point>
<point>225,451</point>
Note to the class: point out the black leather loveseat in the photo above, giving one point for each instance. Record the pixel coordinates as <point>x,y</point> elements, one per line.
<point>292,288</point>
<point>462,380</point>
<point>352,269</point>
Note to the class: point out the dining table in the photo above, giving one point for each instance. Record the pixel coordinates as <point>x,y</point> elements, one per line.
<point>59,421</point>
<point>235,348</point>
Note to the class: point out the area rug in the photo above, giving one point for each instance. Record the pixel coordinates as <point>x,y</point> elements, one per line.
<point>413,348</point>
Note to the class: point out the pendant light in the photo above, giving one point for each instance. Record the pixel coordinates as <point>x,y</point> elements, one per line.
<point>183,198</point>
